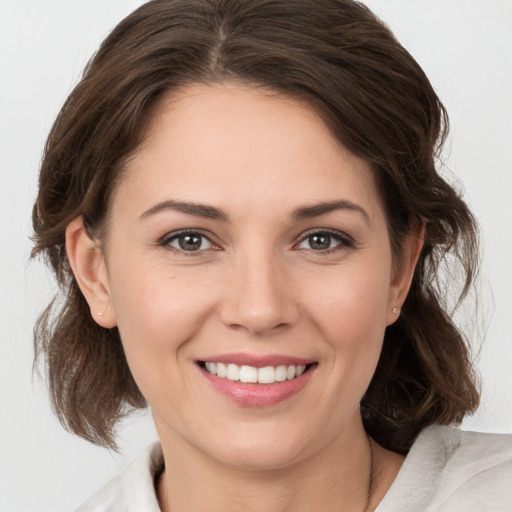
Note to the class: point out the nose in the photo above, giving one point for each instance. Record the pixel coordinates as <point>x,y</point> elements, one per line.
<point>259,296</point>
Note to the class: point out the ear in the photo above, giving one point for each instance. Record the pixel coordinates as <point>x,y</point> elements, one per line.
<point>402,277</point>
<point>88,265</point>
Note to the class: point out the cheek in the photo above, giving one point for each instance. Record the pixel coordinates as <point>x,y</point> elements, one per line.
<point>351,302</point>
<point>350,313</point>
<point>157,312</point>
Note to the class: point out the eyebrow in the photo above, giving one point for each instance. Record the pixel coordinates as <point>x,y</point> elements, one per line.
<point>196,209</point>
<point>213,213</point>
<point>315,210</point>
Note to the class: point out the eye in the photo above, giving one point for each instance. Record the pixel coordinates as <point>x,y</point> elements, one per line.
<point>324,241</point>
<point>188,241</point>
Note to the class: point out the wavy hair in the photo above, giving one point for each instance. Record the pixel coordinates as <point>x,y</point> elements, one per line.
<point>335,55</point>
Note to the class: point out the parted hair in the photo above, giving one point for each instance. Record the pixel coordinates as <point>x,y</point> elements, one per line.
<point>340,58</point>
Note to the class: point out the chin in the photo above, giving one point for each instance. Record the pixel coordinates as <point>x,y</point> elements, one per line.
<point>262,448</point>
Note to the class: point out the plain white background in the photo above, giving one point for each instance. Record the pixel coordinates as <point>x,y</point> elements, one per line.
<point>465,46</point>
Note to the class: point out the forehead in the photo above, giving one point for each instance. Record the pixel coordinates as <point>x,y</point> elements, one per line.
<point>227,143</point>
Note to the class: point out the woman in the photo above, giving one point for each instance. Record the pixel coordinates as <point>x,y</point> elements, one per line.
<point>241,202</point>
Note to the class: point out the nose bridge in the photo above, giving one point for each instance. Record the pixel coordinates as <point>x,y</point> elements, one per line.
<point>259,296</point>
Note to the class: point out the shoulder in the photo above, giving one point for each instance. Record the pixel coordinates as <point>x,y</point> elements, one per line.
<point>450,470</point>
<point>477,474</point>
<point>131,490</point>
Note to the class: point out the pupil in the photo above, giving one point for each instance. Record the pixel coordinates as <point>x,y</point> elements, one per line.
<point>190,242</point>
<point>320,241</point>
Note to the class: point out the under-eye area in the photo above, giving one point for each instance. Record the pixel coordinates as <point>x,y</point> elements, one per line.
<point>253,375</point>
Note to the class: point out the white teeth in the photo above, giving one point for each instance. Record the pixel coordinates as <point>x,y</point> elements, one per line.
<point>233,372</point>
<point>267,375</point>
<point>221,370</point>
<point>281,373</point>
<point>250,374</point>
<point>211,367</point>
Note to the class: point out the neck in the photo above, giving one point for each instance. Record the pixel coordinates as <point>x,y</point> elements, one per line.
<point>348,475</point>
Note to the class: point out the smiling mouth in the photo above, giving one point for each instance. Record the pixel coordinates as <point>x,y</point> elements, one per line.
<point>253,375</point>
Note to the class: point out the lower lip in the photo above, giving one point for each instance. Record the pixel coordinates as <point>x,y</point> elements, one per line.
<point>258,395</point>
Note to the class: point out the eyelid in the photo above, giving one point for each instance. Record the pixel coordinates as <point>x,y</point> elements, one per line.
<point>165,240</point>
<point>346,240</point>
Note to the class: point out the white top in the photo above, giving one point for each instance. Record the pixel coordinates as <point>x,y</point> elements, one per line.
<point>446,470</point>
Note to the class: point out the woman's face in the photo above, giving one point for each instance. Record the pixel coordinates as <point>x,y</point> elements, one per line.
<point>244,239</point>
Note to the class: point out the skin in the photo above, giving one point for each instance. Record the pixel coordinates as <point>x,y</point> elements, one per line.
<point>256,285</point>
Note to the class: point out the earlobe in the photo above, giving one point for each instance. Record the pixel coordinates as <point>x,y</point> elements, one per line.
<point>87,262</point>
<point>403,276</point>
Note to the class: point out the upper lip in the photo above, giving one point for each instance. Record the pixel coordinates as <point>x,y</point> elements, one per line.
<point>257,360</point>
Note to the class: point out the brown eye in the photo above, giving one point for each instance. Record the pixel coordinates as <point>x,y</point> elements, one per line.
<point>320,241</point>
<point>189,242</point>
<point>325,241</point>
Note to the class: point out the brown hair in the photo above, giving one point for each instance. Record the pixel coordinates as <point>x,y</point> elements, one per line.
<point>334,54</point>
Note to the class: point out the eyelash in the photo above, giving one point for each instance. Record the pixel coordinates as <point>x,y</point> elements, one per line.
<point>344,241</point>
<point>166,240</point>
